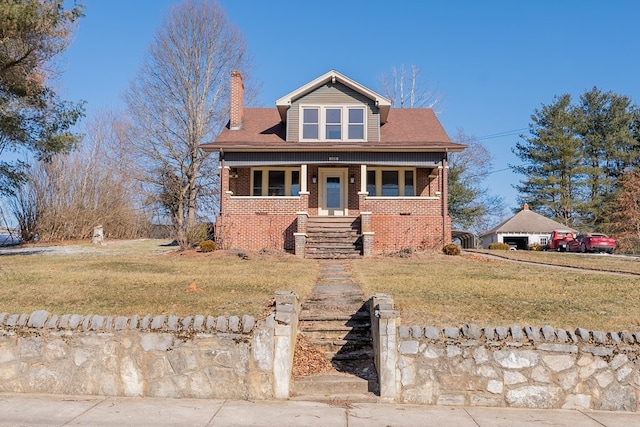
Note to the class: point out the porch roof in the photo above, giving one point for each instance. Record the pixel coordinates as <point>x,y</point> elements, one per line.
<point>408,159</point>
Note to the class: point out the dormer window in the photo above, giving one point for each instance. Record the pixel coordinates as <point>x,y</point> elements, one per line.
<point>310,123</point>
<point>333,123</point>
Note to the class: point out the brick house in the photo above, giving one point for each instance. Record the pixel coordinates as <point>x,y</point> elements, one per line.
<point>332,171</point>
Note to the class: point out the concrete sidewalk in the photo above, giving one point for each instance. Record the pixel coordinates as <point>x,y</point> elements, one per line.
<point>61,410</point>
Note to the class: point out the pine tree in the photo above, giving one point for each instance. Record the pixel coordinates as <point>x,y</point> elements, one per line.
<point>605,125</point>
<point>552,162</point>
<point>32,117</point>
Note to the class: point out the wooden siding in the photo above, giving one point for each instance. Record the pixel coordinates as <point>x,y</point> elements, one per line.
<point>239,159</point>
<point>337,94</point>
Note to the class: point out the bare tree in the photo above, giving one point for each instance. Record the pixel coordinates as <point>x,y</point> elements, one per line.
<point>178,101</point>
<point>68,196</point>
<point>471,206</point>
<point>406,89</point>
<point>625,214</point>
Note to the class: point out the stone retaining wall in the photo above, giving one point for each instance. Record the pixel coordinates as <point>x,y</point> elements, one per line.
<point>159,356</point>
<point>526,367</point>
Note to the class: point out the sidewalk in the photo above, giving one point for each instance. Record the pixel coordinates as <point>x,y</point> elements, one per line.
<point>95,411</point>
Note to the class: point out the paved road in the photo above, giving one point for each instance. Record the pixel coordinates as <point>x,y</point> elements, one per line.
<point>97,411</point>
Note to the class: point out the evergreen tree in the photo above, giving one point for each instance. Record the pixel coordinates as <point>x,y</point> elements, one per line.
<point>32,117</point>
<point>605,126</point>
<point>552,162</point>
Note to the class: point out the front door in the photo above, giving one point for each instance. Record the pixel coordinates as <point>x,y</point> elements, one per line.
<point>332,192</point>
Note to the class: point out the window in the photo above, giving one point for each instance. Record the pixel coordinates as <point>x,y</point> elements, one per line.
<point>371,182</point>
<point>543,240</point>
<point>310,123</point>
<point>257,183</point>
<point>295,183</point>
<point>356,123</point>
<point>275,182</point>
<point>390,185</point>
<point>408,183</point>
<point>333,123</point>
<point>387,182</point>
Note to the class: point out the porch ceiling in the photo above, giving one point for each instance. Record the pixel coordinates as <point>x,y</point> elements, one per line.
<point>244,159</point>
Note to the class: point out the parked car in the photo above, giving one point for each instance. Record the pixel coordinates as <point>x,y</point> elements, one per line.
<point>560,240</point>
<point>596,242</point>
<point>574,245</point>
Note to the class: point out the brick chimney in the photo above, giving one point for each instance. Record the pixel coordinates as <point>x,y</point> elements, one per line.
<point>236,115</point>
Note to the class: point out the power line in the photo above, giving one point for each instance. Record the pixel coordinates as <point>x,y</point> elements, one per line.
<point>502,134</point>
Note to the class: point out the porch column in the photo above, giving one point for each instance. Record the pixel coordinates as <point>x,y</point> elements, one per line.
<point>303,179</point>
<point>363,178</point>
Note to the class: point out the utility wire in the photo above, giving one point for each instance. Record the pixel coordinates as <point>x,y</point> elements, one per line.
<point>502,134</point>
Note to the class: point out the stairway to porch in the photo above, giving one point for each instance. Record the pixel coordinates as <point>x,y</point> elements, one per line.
<point>333,237</point>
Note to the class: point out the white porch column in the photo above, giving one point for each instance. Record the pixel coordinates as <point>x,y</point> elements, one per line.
<point>363,178</point>
<point>303,179</point>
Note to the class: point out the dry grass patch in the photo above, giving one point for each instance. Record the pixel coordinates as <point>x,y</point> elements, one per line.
<point>144,277</point>
<point>441,290</point>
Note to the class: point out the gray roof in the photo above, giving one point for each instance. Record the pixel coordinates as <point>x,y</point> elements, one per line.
<point>527,221</point>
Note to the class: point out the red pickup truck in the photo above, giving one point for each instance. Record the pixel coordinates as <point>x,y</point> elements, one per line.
<point>560,240</point>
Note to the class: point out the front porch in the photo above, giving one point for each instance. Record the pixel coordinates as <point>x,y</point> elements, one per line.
<point>271,207</point>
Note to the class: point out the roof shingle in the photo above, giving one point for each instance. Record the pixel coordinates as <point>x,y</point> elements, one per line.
<point>412,129</point>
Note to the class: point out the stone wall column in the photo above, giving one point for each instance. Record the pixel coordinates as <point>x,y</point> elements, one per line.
<point>367,234</point>
<point>286,329</point>
<point>300,235</point>
<point>384,320</point>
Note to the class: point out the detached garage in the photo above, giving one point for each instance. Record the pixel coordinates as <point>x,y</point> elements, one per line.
<point>524,229</point>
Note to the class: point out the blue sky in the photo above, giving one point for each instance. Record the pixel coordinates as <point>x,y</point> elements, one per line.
<point>493,62</point>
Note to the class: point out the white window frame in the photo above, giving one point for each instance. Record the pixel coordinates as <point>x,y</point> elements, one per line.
<point>401,182</point>
<point>287,180</point>
<point>344,122</point>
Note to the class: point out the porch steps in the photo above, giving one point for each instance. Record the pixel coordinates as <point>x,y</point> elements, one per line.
<point>333,237</point>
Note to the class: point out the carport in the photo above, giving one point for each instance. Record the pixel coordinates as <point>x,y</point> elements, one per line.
<point>466,238</point>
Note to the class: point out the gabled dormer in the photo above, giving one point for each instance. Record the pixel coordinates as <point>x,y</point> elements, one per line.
<point>333,108</point>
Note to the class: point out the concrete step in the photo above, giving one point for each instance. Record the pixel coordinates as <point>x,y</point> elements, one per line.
<point>331,244</point>
<point>354,255</point>
<point>342,345</point>
<point>333,220</point>
<point>364,353</point>
<point>338,399</point>
<point>321,315</point>
<point>332,385</point>
<point>335,326</point>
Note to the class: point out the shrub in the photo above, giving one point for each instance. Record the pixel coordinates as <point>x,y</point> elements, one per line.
<point>499,246</point>
<point>208,246</point>
<point>198,233</point>
<point>536,247</point>
<point>451,249</point>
